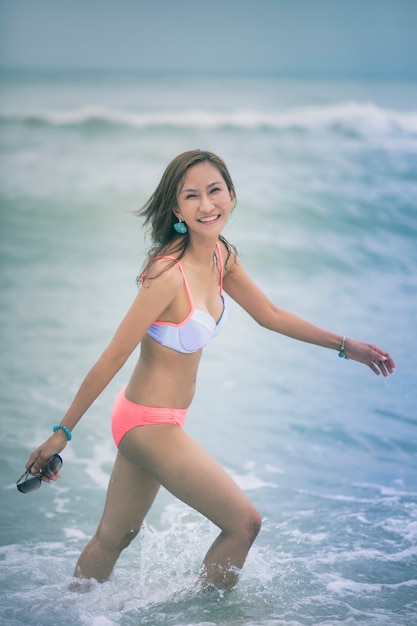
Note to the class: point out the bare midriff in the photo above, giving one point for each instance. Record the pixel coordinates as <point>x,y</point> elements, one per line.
<point>163,377</point>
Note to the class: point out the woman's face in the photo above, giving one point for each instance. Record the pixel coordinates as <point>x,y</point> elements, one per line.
<point>204,201</point>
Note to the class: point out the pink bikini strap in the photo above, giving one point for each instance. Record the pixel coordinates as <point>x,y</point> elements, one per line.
<point>187,286</point>
<point>219,254</point>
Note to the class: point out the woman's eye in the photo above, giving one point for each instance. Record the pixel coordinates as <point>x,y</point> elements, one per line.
<point>191,195</point>
<point>215,189</point>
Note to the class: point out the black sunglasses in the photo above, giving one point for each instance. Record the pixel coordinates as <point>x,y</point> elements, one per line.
<point>28,483</point>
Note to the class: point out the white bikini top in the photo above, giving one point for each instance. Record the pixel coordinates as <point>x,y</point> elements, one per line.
<point>197,329</point>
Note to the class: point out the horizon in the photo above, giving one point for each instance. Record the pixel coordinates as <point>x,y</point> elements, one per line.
<point>67,71</point>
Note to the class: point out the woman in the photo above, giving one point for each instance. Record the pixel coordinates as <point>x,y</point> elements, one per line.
<point>179,308</point>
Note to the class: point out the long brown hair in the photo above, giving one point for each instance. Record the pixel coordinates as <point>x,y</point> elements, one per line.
<point>159,209</point>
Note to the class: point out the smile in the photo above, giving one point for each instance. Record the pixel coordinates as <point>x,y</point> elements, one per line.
<point>208,220</point>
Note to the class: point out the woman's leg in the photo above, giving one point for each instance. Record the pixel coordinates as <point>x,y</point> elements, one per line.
<point>184,468</point>
<point>130,494</point>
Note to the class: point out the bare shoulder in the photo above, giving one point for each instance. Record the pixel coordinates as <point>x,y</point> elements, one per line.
<point>162,273</point>
<point>239,285</point>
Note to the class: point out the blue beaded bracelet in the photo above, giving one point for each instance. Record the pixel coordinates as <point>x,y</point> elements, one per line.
<point>65,429</point>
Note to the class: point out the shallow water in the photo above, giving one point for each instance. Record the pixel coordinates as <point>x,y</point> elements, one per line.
<point>327,224</point>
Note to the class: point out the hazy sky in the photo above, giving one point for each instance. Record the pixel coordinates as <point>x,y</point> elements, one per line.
<point>303,37</point>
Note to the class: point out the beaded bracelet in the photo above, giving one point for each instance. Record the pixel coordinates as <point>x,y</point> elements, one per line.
<point>342,349</point>
<point>65,429</point>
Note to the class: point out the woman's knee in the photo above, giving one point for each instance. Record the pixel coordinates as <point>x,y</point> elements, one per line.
<point>253,524</point>
<point>248,526</point>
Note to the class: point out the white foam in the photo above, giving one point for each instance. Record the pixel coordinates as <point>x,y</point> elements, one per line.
<point>310,537</point>
<point>342,585</point>
<point>250,482</point>
<point>361,117</point>
<point>98,620</point>
<point>273,469</point>
<point>74,533</point>
<point>397,489</point>
<point>99,462</point>
<point>346,585</point>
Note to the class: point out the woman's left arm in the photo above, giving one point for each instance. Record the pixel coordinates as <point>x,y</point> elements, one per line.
<point>252,299</point>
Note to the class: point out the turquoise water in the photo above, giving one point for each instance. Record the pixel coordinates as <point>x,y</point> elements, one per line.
<point>326,176</point>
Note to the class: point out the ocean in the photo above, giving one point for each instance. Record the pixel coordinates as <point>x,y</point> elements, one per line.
<point>326,223</point>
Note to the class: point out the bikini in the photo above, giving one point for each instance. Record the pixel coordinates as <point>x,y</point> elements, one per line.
<point>189,336</point>
<point>197,329</point>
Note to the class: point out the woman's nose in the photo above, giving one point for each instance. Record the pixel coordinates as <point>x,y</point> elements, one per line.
<point>206,203</point>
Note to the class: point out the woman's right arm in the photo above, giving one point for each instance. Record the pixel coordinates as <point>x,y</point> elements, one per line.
<point>151,301</point>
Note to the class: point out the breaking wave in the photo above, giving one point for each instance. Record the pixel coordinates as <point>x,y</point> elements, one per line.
<point>350,117</point>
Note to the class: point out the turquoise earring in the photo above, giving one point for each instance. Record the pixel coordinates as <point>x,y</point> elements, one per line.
<point>231,219</point>
<point>180,227</point>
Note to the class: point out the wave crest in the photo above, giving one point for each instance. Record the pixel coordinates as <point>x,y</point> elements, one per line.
<point>353,117</point>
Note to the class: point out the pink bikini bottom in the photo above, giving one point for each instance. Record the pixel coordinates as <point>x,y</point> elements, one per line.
<point>127,415</point>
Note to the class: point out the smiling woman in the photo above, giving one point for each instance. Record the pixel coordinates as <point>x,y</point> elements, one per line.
<point>173,317</point>
<point>202,201</point>
<point>325,175</point>
<point>179,308</point>
<point>178,189</point>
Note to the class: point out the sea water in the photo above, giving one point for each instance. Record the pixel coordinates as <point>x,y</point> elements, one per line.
<point>326,223</point>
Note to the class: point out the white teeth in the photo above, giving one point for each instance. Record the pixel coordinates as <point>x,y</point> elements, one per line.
<point>208,219</point>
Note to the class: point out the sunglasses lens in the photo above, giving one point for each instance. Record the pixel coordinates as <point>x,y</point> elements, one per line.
<point>53,466</point>
<point>28,485</point>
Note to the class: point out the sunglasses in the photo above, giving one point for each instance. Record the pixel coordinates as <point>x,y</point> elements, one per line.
<point>28,483</point>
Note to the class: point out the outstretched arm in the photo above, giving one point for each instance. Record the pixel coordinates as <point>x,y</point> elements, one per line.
<point>250,297</point>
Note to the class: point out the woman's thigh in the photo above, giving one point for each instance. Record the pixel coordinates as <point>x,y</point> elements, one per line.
<point>130,495</point>
<point>183,467</point>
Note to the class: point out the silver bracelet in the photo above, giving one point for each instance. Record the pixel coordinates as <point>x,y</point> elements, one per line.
<point>342,354</point>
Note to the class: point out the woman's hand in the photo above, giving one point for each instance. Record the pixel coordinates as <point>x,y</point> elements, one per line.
<point>377,359</point>
<point>39,457</point>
